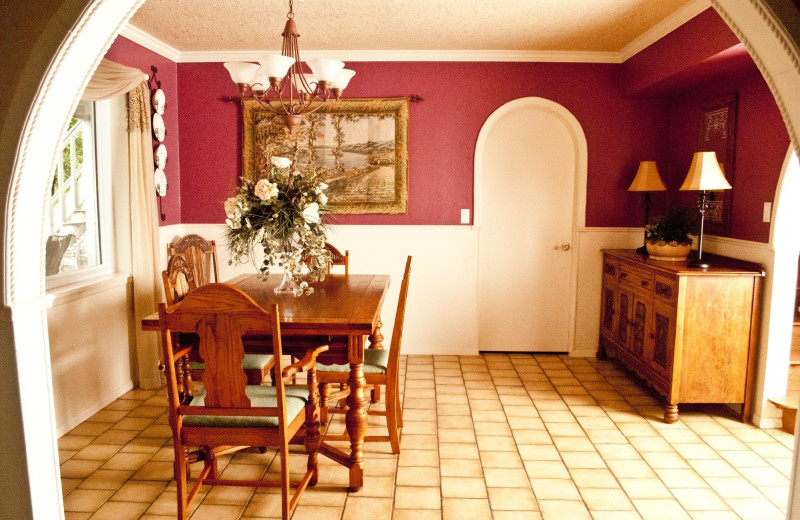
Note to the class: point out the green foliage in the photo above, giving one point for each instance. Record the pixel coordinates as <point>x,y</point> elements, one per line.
<point>676,225</point>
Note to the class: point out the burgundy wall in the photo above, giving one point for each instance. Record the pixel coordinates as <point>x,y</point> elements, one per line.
<point>131,54</point>
<point>761,145</point>
<point>458,98</point>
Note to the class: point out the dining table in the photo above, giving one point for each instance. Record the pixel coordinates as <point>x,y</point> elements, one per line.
<point>344,312</point>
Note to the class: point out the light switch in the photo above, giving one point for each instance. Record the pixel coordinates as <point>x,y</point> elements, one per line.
<point>767,212</point>
<point>465,216</point>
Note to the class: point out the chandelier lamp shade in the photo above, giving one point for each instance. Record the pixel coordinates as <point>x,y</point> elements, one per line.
<point>705,174</point>
<point>280,84</point>
<point>646,180</point>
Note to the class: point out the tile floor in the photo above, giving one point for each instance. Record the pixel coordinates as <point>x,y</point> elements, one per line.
<point>494,437</point>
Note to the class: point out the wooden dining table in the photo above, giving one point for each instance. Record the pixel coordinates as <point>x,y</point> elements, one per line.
<point>344,309</point>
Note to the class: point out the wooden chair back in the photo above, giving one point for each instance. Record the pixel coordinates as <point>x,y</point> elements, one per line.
<point>337,258</point>
<point>197,251</point>
<point>397,332</point>
<point>178,279</point>
<point>220,315</point>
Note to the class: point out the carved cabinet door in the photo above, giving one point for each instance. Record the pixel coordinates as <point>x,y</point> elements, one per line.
<point>608,313</point>
<point>623,325</point>
<point>640,325</point>
<point>663,341</point>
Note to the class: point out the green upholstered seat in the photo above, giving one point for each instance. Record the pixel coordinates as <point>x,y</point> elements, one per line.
<point>375,362</point>
<point>250,362</point>
<point>260,396</point>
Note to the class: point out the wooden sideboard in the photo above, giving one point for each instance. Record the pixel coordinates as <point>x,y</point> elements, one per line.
<point>690,333</point>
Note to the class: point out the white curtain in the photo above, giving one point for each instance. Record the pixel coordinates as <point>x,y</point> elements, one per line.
<point>109,80</point>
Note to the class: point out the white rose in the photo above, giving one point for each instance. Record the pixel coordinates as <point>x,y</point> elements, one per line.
<point>322,198</point>
<point>281,162</point>
<point>230,205</point>
<point>311,213</point>
<point>233,223</point>
<point>266,190</point>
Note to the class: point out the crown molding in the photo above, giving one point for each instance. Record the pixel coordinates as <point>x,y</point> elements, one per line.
<point>413,55</point>
<point>150,42</point>
<point>664,27</point>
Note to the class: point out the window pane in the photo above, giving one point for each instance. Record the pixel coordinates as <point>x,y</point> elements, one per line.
<point>74,241</point>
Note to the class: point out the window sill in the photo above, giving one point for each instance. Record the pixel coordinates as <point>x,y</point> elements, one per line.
<point>78,290</point>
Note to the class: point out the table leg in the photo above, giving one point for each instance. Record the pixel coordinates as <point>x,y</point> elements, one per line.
<point>356,419</point>
<point>376,341</point>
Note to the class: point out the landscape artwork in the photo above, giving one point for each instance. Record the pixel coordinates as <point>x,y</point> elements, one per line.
<point>358,146</point>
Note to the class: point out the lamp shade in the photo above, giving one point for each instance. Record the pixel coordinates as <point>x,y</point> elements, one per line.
<point>705,174</point>
<point>343,78</point>
<point>276,65</point>
<point>241,73</point>
<point>647,178</point>
<point>325,69</point>
<point>310,80</point>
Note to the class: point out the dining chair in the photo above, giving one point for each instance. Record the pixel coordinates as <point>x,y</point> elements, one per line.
<point>55,248</point>
<point>178,282</point>
<point>229,414</point>
<point>381,367</point>
<point>197,251</point>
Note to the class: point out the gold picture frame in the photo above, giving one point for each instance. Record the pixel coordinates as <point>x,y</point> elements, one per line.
<point>359,146</point>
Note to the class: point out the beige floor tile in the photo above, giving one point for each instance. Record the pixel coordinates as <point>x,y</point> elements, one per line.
<point>217,512</point>
<point>314,512</point>
<point>713,468</point>
<point>86,500</point>
<point>583,460</point>
<point>606,499</point>
<point>460,468</point>
<point>455,421</point>
<point>416,497</point>
<point>644,488</point>
<point>455,435</point>
<point>419,442</point>
<point>616,515</point>
<point>139,491</point>
<point>733,487</point>
<point>714,515</point>
<point>606,436</point>
<point>74,468</point>
<point>654,444</point>
<point>759,508</point>
<point>764,476</point>
<point>495,443</point>
<point>126,461</point>
<point>68,484</point>
<point>69,515</point>
<point>664,460</point>
<point>516,515</point>
<point>74,442</point>
<point>617,452</point>
<point>630,469</point>
<point>512,499</point>
<point>546,469</point>
<point>554,489</point>
<point>419,458</point>
<point>106,479</point>
<point>97,452</point>
<point>743,459</point>
<point>533,436</point>
<point>457,450</point>
<point>496,429</point>
<point>563,509</point>
<point>120,511</point>
<point>536,452</point>
<point>660,509</point>
<point>594,478</point>
<point>503,477</point>
<point>465,509</point>
<point>573,444</point>
<point>699,499</point>
<point>696,451</point>
<point>416,514</point>
<point>417,476</point>
<point>463,487</point>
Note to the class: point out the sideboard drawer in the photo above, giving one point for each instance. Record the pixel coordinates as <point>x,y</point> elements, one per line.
<point>641,280</point>
<point>666,289</point>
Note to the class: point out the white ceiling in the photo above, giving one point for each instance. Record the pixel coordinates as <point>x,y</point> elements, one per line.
<point>207,27</point>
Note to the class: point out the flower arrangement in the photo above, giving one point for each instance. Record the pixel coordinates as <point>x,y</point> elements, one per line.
<point>280,214</point>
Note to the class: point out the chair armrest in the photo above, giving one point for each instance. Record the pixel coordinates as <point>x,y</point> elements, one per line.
<point>308,362</point>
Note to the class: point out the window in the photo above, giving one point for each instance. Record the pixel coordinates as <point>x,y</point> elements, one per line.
<point>76,246</point>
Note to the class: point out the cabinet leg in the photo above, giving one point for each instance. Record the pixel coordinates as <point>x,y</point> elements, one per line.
<point>671,413</point>
<point>601,352</point>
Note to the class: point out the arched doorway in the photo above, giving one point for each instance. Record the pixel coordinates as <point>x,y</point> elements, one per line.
<point>55,55</point>
<point>530,195</point>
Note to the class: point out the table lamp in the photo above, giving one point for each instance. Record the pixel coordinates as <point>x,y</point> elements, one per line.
<point>646,180</point>
<point>704,174</point>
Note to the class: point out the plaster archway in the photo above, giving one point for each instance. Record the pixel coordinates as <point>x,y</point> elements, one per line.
<point>55,55</point>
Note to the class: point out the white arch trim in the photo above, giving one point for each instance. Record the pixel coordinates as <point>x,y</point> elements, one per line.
<point>575,130</point>
<point>65,52</point>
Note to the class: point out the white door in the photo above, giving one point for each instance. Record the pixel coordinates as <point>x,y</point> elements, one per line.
<point>528,187</point>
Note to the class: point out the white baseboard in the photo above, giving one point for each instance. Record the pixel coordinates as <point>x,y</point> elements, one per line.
<point>92,409</point>
<point>767,422</point>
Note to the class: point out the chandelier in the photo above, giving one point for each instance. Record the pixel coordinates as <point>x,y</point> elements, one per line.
<point>280,84</point>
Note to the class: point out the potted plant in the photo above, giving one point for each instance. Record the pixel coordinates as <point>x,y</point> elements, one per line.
<point>669,236</point>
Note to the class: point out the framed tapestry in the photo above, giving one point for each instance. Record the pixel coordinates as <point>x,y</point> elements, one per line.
<point>718,134</point>
<point>360,147</point>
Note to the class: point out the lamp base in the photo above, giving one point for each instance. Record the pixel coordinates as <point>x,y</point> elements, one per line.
<point>700,264</point>
<point>642,250</point>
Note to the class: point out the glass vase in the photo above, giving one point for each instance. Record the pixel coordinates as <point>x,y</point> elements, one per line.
<point>289,285</point>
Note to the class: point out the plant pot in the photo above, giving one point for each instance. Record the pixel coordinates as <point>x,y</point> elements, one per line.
<point>670,252</point>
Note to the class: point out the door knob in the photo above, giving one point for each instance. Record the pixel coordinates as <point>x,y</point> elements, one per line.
<point>565,246</point>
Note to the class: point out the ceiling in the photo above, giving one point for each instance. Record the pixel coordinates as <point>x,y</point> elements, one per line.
<point>567,26</point>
